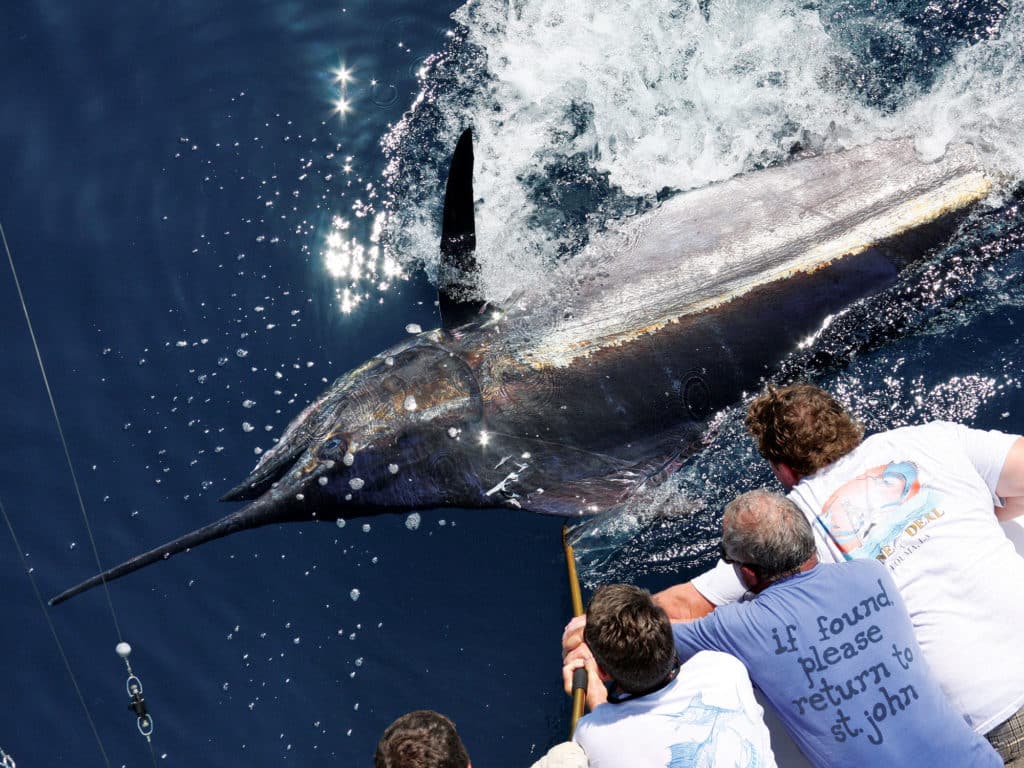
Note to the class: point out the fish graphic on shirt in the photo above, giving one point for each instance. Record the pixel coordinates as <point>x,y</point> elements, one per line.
<point>871,510</point>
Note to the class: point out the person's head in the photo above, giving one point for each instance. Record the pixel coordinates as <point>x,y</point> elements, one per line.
<point>421,739</point>
<point>801,428</point>
<point>766,536</point>
<point>630,637</point>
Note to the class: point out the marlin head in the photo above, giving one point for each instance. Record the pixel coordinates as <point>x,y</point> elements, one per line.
<point>385,436</point>
<point>372,441</point>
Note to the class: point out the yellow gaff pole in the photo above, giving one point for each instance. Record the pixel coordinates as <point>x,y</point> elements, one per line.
<point>579,676</point>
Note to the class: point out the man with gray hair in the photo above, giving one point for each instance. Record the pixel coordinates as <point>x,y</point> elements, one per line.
<point>831,646</point>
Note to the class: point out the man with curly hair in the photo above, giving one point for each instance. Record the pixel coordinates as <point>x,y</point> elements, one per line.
<point>926,501</point>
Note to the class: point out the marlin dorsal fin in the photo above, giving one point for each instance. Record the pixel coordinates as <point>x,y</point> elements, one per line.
<point>458,270</point>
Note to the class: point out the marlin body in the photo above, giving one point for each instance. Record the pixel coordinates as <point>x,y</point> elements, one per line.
<point>571,398</point>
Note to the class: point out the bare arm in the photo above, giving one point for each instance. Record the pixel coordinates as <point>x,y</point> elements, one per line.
<point>684,603</point>
<point>1010,487</point>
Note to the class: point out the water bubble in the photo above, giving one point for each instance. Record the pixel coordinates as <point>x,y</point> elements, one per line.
<point>389,361</point>
<point>393,469</point>
<point>354,594</point>
<point>248,403</point>
<point>366,527</point>
<point>247,427</point>
<point>222,361</point>
<point>322,481</point>
<point>412,522</point>
<point>241,352</point>
<point>355,483</point>
<point>340,522</point>
<point>410,403</point>
<point>348,459</point>
<point>413,328</point>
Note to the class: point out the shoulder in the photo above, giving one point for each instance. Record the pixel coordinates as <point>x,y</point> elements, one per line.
<point>933,430</point>
<point>942,431</point>
<point>868,564</point>
<point>862,567</point>
<point>568,754</point>
<point>716,662</point>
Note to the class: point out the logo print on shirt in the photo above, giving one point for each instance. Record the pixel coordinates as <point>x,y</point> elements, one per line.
<point>715,737</point>
<point>866,515</point>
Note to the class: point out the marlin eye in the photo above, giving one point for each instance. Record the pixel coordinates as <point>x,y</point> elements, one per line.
<point>331,448</point>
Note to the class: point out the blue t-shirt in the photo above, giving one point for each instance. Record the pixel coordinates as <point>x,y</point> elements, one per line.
<point>834,652</point>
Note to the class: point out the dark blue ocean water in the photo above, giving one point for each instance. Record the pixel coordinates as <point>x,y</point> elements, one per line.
<point>171,172</point>
<point>141,145</point>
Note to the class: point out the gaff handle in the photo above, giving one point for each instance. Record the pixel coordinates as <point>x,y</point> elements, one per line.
<point>579,676</point>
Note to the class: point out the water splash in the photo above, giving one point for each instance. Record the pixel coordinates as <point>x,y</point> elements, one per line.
<point>587,112</point>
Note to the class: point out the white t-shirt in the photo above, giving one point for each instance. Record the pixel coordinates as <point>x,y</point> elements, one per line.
<point>706,718</point>
<point>921,500</point>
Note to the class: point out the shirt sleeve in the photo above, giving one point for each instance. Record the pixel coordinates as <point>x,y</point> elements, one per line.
<point>688,641</point>
<point>692,637</point>
<point>987,450</point>
<point>721,585</point>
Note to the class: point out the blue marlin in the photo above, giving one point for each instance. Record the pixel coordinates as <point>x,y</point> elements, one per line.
<point>571,398</point>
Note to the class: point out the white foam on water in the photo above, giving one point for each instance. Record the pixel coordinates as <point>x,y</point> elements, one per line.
<point>978,99</point>
<point>671,99</point>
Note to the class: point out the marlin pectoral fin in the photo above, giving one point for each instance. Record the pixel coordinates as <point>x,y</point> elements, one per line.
<point>598,494</point>
<point>458,269</point>
<point>583,497</point>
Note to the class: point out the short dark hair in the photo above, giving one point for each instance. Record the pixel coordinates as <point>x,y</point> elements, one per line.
<point>630,637</point>
<point>803,427</point>
<point>767,531</point>
<point>421,739</point>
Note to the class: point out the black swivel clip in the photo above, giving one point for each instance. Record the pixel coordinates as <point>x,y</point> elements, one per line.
<point>137,703</point>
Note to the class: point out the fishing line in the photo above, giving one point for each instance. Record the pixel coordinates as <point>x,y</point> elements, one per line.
<point>53,631</point>
<point>60,429</point>
<point>143,719</point>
